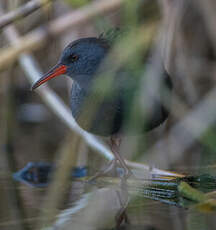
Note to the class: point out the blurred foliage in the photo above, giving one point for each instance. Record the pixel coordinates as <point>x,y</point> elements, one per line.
<point>77,3</point>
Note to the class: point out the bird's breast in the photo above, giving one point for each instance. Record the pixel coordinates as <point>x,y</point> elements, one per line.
<point>95,113</point>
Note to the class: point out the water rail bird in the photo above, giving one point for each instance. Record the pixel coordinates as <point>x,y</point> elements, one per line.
<point>82,60</point>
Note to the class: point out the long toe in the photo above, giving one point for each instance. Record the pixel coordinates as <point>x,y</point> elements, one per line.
<point>112,165</point>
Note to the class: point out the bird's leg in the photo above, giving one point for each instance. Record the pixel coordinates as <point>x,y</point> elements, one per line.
<point>115,144</point>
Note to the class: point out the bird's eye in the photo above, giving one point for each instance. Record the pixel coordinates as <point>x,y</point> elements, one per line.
<point>73,57</point>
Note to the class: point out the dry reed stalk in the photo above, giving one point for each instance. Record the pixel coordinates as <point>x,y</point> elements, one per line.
<point>22,12</point>
<point>67,158</point>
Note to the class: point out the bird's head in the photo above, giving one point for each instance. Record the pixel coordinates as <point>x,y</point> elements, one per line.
<point>79,60</point>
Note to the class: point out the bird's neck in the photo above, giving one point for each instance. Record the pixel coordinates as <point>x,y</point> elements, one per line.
<point>88,81</point>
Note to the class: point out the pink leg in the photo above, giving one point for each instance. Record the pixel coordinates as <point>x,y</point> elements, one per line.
<point>115,144</point>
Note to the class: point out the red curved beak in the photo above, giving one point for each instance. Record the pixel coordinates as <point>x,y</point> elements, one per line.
<point>54,72</point>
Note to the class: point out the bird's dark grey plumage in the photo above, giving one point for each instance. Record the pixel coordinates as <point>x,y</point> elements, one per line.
<point>98,112</point>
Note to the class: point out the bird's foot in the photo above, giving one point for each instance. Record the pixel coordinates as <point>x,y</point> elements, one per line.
<point>111,165</point>
<point>126,173</point>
